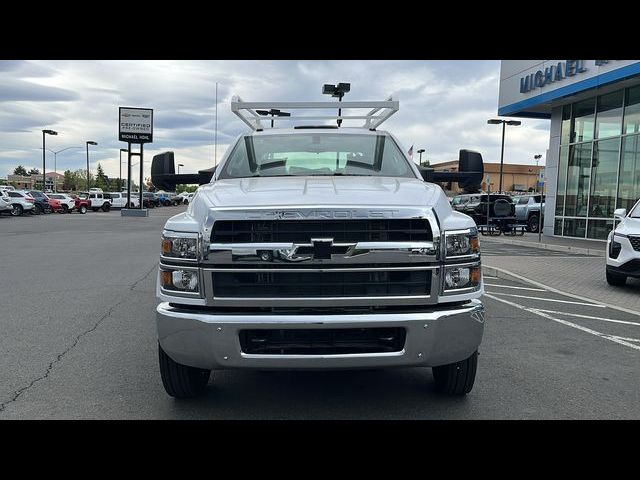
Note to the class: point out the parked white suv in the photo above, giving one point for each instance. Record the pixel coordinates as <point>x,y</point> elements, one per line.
<point>20,201</point>
<point>5,204</point>
<point>119,200</point>
<point>67,203</point>
<point>623,247</point>
<point>99,201</point>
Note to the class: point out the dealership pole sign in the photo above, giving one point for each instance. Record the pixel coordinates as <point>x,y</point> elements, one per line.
<point>136,125</point>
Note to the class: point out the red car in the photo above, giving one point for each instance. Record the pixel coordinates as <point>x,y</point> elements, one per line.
<point>55,205</point>
<point>82,203</point>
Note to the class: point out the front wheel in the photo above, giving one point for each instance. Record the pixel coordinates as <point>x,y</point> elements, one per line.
<point>181,381</point>
<point>615,279</point>
<point>106,207</point>
<point>83,209</point>
<point>532,224</point>
<point>456,378</point>
<point>37,209</point>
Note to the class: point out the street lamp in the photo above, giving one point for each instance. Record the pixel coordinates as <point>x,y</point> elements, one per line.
<point>88,143</point>
<point>180,165</point>
<point>497,121</point>
<point>55,165</point>
<point>45,132</point>
<point>420,159</point>
<point>120,177</point>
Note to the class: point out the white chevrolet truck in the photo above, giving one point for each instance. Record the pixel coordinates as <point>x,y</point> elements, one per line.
<point>318,247</point>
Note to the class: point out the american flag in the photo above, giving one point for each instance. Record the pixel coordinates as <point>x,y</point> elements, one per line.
<point>410,152</point>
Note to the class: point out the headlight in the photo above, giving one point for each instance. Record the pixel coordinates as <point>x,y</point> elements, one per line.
<point>456,277</point>
<point>180,280</point>
<point>462,243</point>
<point>180,245</point>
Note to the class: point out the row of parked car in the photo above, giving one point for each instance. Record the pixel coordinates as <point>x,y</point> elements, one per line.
<point>17,202</point>
<point>500,212</point>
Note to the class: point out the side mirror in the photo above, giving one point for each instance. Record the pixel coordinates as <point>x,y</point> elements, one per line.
<point>163,174</point>
<point>620,213</point>
<point>469,174</point>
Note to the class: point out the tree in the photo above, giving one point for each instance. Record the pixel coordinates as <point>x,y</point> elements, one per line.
<point>20,170</point>
<point>101,180</point>
<point>34,171</point>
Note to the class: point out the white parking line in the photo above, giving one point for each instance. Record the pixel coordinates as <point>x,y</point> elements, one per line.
<point>565,322</point>
<point>626,322</point>
<point>516,288</point>
<point>626,338</point>
<point>551,300</point>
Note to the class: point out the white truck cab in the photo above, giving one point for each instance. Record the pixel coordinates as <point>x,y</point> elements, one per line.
<point>318,247</point>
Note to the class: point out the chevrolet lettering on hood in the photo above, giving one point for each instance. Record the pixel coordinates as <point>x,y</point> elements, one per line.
<point>319,214</point>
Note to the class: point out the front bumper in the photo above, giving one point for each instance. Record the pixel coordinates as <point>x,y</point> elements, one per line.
<point>438,335</point>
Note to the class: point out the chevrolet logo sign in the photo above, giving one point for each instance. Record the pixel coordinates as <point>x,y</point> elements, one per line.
<point>322,248</point>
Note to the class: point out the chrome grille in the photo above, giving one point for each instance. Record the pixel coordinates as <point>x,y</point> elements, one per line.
<point>369,230</point>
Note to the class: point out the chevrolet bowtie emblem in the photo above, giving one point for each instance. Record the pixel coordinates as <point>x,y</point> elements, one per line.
<point>322,248</point>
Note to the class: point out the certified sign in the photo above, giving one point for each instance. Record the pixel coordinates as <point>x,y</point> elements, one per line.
<point>136,125</point>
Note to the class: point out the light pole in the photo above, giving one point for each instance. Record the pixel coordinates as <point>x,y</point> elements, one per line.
<point>44,153</point>
<point>89,143</point>
<point>420,159</point>
<point>120,177</point>
<point>497,121</point>
<point>55,165</point>
<point>180,165</point>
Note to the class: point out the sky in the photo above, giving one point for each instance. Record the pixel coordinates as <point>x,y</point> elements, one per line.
<point>444,106</point>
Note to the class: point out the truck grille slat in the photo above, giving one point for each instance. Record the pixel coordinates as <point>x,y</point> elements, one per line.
<point>320,284</point>
<point>635,243</point>
<point>301,231</point>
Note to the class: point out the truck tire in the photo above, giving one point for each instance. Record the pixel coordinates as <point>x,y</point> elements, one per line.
<point>65,209</point>
<point>106,207</point>
<point>37,209</point>
<point>532,223</point>
<point>616,280</point>
<point>456,378</point>
<point>181,381</point>
<point>83,209</point>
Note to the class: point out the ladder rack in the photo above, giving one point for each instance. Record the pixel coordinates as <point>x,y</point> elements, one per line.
<point>380,111</point>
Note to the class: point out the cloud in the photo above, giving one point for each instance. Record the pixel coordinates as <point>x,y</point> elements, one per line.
<point>444,106</point>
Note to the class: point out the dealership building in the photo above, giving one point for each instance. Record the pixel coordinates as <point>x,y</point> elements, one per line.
<point>593,158</point>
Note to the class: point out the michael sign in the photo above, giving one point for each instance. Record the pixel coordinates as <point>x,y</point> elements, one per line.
<point>136,125</point>
<point>554,73</point>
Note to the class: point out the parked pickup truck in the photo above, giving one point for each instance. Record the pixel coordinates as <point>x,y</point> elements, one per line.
<point>528,211</point>
<point>119,200</point>
<point>317,248</point>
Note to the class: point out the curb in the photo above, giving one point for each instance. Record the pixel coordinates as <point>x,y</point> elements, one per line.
<point>558,248</point>
<point>507,275</point>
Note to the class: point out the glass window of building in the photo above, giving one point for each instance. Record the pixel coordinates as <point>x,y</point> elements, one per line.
<point>565,129</point>
<point>574,227</point>
<point>629,183</point>
<point>578,176</point>
<point>599,229</point>
<point>632,111</point>
<point>604,177</point>
<point>584,114</point>
<point>557,226</point>
<point>562,179</point>
<point>609,115</point>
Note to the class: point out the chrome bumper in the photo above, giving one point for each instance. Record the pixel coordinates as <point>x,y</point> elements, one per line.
<point>437,336</point>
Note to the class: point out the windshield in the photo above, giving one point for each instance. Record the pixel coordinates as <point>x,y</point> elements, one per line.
<point>317,154</point>
<point>635,212</point>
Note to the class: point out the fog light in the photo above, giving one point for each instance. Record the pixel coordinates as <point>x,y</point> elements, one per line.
<point>179,280</point>
<point>185,280</point>
<point>462,277</point>
<point>614,249</point>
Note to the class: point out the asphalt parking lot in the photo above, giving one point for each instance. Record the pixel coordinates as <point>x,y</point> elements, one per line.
<point>77,296</point>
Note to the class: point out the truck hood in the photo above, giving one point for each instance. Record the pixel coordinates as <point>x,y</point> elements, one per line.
<point>308,191</point>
